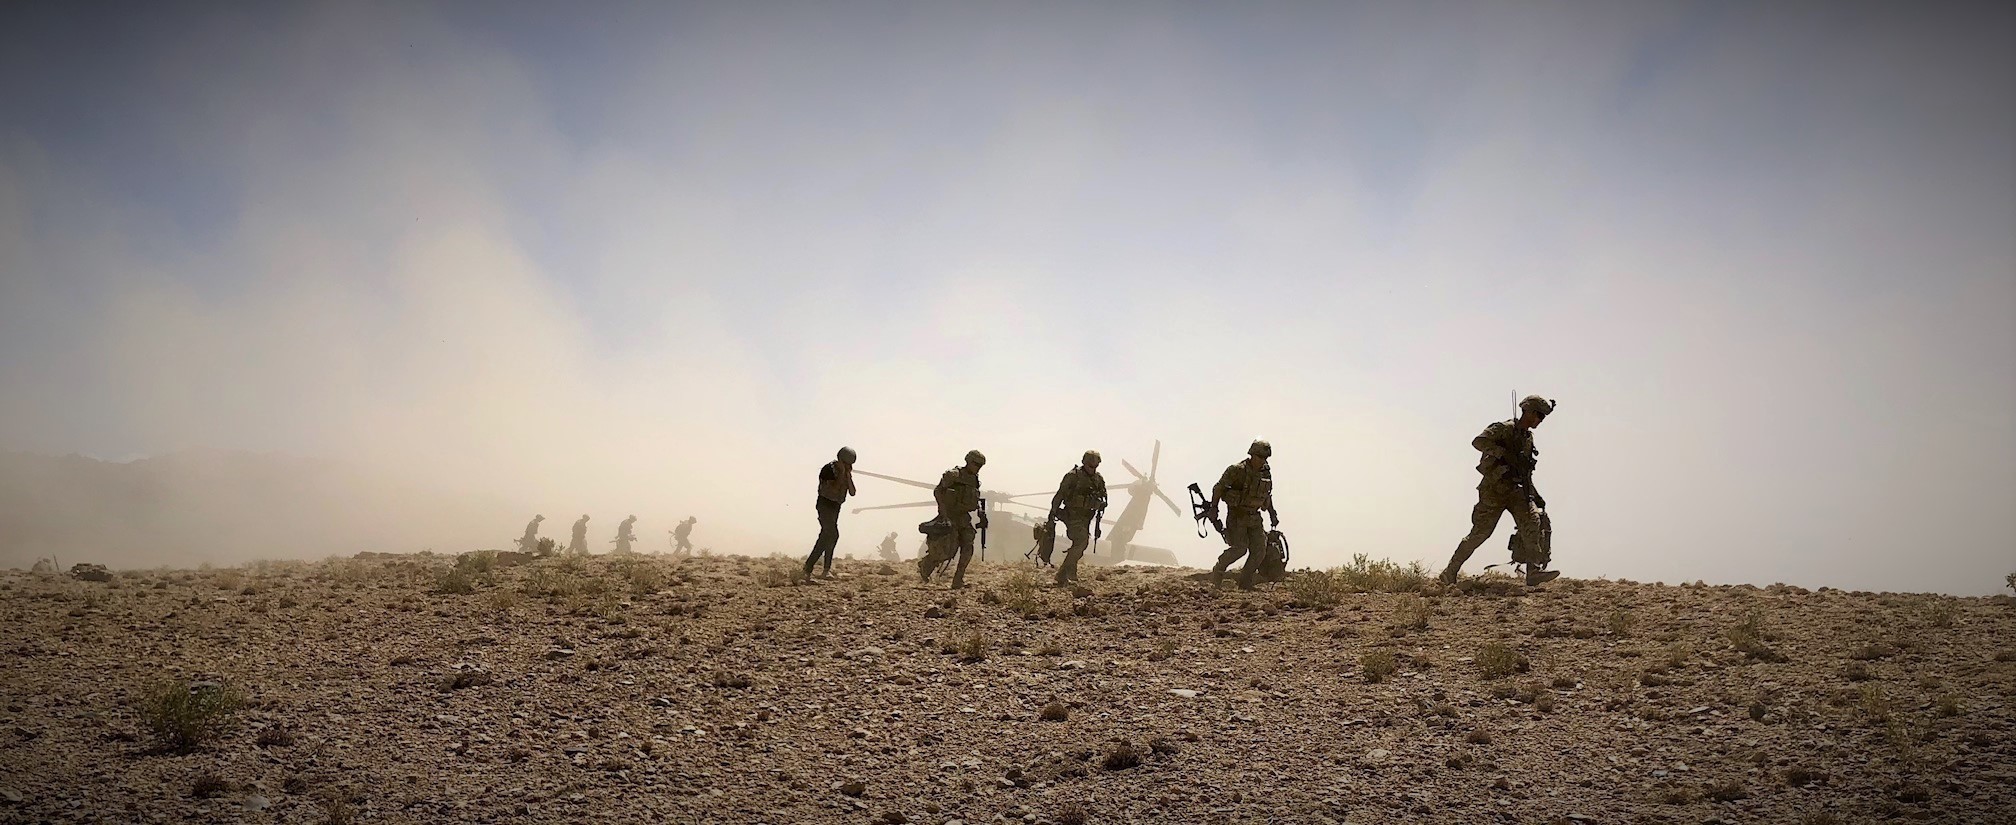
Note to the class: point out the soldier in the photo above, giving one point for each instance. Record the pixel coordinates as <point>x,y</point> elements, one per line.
<point>1507,469</point>
<point>958,495</point>
<point>579,543</point>
<point>1246,488</point>
<point>888,548</point>
<point>625,535</point>
<point>682,537</point>
<point>529,543</point>
<point>1080,497</point>
<point>836,483</point>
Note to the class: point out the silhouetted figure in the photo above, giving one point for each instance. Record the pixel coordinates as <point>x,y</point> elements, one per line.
<point>579,543</point>
<point>529,543</point>
<point>888,548</point>
<point>682,537</point>
<point>836,483</point>
<point>624,535</point>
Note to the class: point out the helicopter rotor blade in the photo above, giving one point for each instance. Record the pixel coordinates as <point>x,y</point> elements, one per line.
<point>1026,495</point>
<point>1155,463</point>
<point>1130,468</point>
<point>1166,500</point>
<point>895,506</point>
<point>917,484</point>
<point>1027,504</point>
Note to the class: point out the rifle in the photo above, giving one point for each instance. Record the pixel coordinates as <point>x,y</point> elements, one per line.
<point>1098,528</point>
<point>1205,511</point>
<point>983,529</point>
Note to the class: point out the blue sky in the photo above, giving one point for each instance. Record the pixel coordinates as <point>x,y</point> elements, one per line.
<point>1761,252</point>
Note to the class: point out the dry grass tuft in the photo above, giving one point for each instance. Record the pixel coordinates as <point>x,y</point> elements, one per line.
<point>184,716</point>
<point>1497,661</point>
<point>1377,665</point>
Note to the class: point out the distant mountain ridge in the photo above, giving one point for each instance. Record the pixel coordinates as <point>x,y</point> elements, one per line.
<point>227,506</point>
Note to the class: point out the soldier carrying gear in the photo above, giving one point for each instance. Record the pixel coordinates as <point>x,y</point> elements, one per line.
<point>958,495</point>
<point>888,548</point>
<point>579,542</point>
<point>1506,465</point>
<point>836,483</point>
<point>1080,498</point>
<point>529,543</point>
<point>682,536</point>
<point>1247,489</point>
<point>625,534</point>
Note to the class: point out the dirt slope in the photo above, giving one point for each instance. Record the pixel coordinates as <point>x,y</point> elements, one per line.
<point>714,690</point>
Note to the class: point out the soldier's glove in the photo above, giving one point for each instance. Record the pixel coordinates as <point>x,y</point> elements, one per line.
<point>983,521</point>
<point>1275,518</point>
<point>1540,500</point>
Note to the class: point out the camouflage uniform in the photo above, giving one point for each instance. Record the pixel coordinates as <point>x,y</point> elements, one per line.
<point>1080,497</point>
<point>836,482</point>
<point>1247,491</point>
<point>958,495</point>
<point>1506,460</point>
<point>579,542</point>
<point>682,536</point>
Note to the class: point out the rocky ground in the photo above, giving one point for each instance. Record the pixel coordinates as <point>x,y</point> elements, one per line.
<point>718,690</point>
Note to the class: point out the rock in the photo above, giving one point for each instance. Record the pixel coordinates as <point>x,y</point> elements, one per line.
<point>559,653</point>
<point>10,796</point>
<point>895,818</point>
<point>90,572</point>
<point>1377,754</point>
<point>854,787</point>
<point>934,612</point>
<point>869,651</point>
<point>256,802</point>
<point>1184,692</point>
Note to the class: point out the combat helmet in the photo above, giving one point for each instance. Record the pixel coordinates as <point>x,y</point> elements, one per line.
<point>1536,405</point>
<point>1091,457</point>
<point>976,458</point>
<point>846,456</point>
<point>1260,449</point>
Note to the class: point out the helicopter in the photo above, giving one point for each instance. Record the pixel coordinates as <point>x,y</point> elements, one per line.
<point>1115,547</point>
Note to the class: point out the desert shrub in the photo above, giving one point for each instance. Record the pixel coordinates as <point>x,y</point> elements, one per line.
<point>1071,815</point>
<point>1055,712</point>
<point>1496,660</point>
<point>1941,613</point>
<point>1479,736</point>
<point>1874,703</point>
<point>1318,588</point>
<point>1621,622</point>
<point>184,716</point>
<point>1726,791</point>
<point>730,680</point>
<point>208,785</point>
<point>1750,636</point>
<point>975,648</point>
<point>1382,575</point>
<point>454,582</point>
<point>1410,614</point>
<point>1946,706</point>
<point>776,573</point>
<point>1120,757</point>
<point>1050,648</point>
<point>2010,582</point>
<point>479,563</point>
<point>502,600</point>
<point>1377,665</point>
<point>464,679</point>
<point>274,736</point>
<point>1021,592</point>
<point>1799,776</point>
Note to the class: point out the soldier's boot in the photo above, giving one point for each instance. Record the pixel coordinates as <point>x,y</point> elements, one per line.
<point>1455,567</point>
<point>1246,576</point>
<point>1536,577</point>
<point>1217,575</point>
<point>924,569</point>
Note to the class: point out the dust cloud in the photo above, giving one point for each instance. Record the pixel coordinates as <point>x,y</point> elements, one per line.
<point>465,271</point>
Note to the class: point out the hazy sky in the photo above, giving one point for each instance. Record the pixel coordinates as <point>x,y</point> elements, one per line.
<point>665,260</point>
